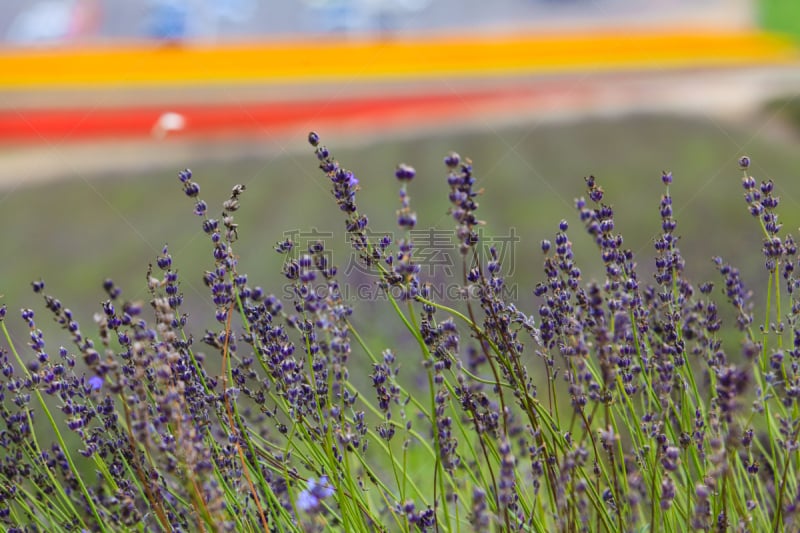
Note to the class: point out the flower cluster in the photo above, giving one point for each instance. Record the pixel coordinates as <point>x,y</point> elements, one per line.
<point>625,402</point>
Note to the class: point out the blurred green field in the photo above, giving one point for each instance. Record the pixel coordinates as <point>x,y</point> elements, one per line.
<point>73,233</point>
<point>780,15</point>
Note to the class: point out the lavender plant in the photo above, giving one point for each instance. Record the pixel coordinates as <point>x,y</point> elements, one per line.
<point>621,404</point>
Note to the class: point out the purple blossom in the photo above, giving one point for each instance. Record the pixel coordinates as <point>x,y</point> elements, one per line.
<point>96,382</point>
<point>310,498</point>
<point>405,172</point>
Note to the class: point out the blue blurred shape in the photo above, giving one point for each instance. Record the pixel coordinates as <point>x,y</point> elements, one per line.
<point>168,20</point>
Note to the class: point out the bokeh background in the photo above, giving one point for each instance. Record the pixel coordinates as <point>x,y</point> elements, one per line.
<point>103,101</point>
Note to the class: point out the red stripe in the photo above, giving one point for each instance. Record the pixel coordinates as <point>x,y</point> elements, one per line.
<point>55,125</point>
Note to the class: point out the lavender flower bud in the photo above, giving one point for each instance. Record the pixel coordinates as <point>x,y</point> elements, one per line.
<point>405,172</point>
<point>744,162</point>
<point>452,160</point>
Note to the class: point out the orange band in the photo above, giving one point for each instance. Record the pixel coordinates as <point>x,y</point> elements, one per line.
<point>323,60</point>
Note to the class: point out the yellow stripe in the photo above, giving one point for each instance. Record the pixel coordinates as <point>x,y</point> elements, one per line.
<point>330,61</point>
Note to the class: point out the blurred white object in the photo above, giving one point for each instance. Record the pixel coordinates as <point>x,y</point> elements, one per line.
<point>43,22</point>
<point>236,11</point>
<point>360,15</point>
<point>168,122</point>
